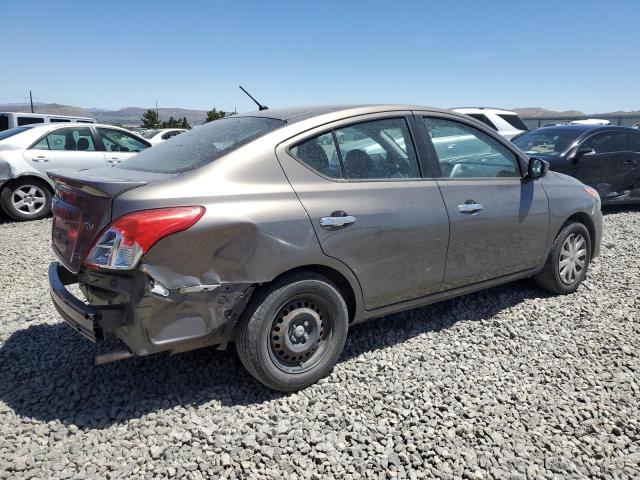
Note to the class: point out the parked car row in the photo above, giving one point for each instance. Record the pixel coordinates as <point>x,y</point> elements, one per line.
<point>279,229</point>
<point>27,152</point>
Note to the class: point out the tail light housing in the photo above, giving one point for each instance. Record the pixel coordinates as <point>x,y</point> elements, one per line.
<point>121,245</point>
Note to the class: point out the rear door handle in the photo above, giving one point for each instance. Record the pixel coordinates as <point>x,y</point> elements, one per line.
<point>113,161</point>
<point>40,158</point>
<point>337,222</point>
<point>469,208</point>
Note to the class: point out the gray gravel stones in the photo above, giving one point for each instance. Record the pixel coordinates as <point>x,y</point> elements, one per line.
<point>507,383</point>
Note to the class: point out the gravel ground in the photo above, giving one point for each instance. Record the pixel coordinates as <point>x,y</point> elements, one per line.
<point>507,383</point>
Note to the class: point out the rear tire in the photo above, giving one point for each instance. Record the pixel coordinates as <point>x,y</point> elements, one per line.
<point>26,199</point>
<point>293,331</point>
<point>568,260</point>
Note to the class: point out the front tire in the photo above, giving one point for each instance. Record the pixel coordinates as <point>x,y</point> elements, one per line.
<point>26,199</point>
<point>568,260</point>
<point>293,332</point>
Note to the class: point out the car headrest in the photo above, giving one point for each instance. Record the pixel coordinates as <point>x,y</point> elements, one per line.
<point>357,164</point>
<point>314,156</point>
<point>83,144</point>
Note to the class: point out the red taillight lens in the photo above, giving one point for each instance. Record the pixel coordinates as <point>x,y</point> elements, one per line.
<point>129,237</point>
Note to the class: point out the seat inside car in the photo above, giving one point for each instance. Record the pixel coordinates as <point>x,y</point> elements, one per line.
<point>357,164</point>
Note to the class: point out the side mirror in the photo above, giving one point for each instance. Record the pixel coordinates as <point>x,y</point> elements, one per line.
<point>582,152</point>
<point>537,168</point>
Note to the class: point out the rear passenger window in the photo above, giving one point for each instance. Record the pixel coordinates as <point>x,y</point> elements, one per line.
<point>466,152</point>
<point>70,139</point>
<point>319,154</point>
<point>379,149</point>
<point>29,120</point>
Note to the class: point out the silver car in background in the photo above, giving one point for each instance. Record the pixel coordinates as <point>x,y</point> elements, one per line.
<point>279,229</point>
<point>27,152</point>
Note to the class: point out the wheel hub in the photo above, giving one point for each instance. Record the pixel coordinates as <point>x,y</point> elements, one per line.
<point>296,334</point>
<point>572,260</point>
<point>29,199</point>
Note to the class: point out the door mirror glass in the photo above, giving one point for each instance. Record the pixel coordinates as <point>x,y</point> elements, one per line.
<point>537,167</point>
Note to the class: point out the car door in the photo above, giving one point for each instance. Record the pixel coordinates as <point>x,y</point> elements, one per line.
<point>120,145</point>
<point>65,147</point>
<point>361,184</point>
<point>498,220</point>
<point>608,167</point>
<point>634,146</point>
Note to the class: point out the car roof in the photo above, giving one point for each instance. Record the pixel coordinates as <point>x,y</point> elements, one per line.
<point>582,128</point>
<point>297,114</point>
<point>467,110</point>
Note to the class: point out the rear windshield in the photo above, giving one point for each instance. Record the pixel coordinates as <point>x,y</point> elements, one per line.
<point>201,145</point>
<point>513,120</point>
<point>12,131</point>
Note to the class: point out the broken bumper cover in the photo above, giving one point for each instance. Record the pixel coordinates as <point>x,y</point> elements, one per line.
<point>90,321</point>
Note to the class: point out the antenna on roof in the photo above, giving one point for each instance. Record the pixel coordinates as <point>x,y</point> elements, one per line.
<point>260,107</point>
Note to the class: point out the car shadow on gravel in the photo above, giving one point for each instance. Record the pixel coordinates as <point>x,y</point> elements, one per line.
<point>47,370</point>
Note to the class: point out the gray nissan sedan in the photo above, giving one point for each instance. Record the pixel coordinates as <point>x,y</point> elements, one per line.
<point>279,229</point>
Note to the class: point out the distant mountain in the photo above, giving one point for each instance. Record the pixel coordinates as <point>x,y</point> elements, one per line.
<point>532,112</point>
<point>543,112</point>
<point>123,116</point>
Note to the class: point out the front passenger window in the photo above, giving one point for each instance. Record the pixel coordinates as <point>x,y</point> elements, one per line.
<point>466,152</point>
<point>119,141</point>
<point>607,142</point>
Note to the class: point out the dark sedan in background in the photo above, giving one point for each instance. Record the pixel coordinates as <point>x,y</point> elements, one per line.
<point>606,158</point>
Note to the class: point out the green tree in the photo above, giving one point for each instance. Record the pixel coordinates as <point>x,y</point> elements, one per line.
<point>150,119</point>
<point>176,123</point>
<point>214,115</point>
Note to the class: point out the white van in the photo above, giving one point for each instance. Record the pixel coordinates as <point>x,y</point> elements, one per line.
<point>17,119</point>
<point>506,123</point>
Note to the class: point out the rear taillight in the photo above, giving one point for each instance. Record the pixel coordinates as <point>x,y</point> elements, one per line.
<point>123,243</point>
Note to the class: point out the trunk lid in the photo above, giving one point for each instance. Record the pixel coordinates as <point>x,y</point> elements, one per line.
<point>82,207</point>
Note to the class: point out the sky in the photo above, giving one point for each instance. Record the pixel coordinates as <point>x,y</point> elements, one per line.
<point>560,55</point>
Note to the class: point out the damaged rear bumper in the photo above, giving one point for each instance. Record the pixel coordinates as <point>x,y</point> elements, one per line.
<point>146,318</point>
<point>89,321</point>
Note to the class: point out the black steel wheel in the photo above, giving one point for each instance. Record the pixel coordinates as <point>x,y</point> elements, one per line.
<point>300,333</point>
<point>293,331</point>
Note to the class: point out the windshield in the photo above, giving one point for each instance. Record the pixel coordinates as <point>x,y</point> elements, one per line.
<point>12,131</point>
<point>546,142</point>
<point>150,133</point>
<point>201,145</point>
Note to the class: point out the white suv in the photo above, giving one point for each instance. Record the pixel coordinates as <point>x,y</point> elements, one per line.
<point>506,123</point>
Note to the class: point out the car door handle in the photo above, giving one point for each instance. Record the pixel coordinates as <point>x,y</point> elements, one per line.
<point>113,161</point>
<point>337,221</point>
<point>40,158</point>
<point>469,208</point>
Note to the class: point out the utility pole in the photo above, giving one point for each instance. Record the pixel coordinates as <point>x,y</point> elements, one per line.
<point>157,114</point>
<point>31,100</point>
